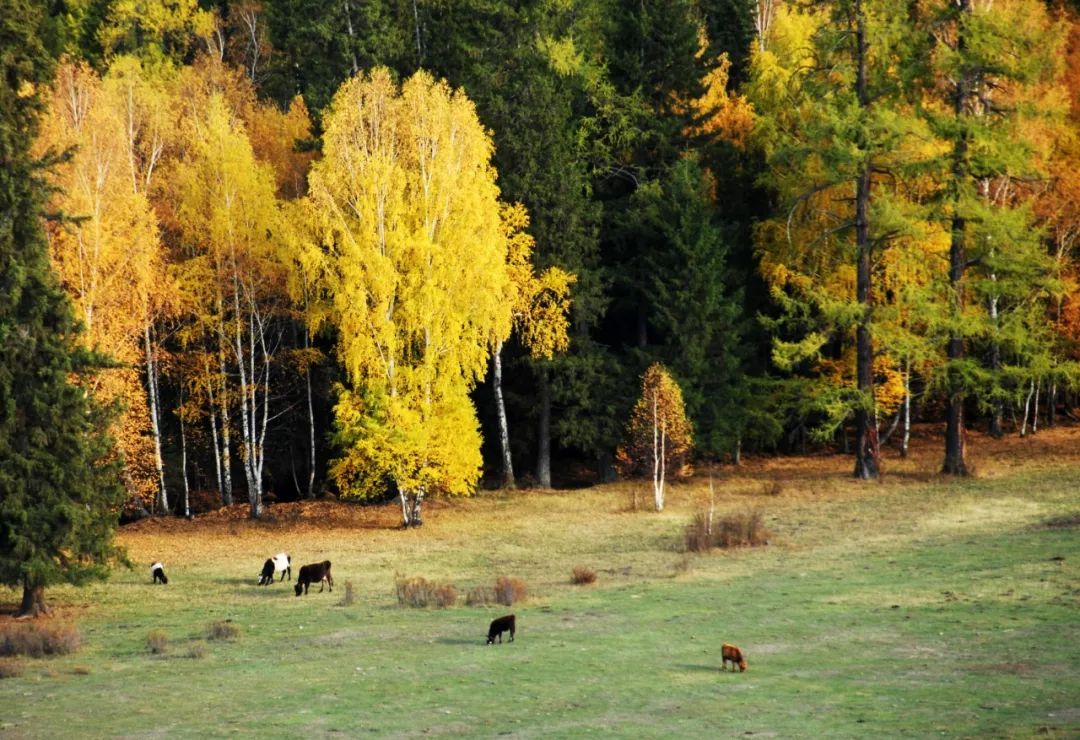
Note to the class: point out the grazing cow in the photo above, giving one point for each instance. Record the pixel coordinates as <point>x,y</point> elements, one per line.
<point>314,573</point>
<point>157,570</point>
<point>498,626</point>
<point>280,563</point>
<point>732,653</point>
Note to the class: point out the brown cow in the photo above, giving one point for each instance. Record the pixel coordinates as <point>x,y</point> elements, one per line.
<point>732,653</point>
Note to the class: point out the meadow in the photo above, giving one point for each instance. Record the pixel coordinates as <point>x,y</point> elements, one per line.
<point>913,606</point>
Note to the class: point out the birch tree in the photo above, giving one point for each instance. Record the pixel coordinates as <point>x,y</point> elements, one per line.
<point>659,438</point>
<point>405,208</point>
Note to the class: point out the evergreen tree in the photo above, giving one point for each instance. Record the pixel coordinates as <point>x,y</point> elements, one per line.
<point>59,494</point>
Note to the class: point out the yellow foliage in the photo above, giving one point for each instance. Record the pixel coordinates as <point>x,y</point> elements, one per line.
<point>418,263</point>
<point>728,116</point>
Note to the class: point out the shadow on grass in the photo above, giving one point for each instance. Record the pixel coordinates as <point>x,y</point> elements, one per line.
<point>460,641</point>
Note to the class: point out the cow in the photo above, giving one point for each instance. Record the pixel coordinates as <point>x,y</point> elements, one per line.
<point>280,563</point>
<point>732,653</point>
<point>498,626</point>
<point>157,570</point>
<point>314,573</point>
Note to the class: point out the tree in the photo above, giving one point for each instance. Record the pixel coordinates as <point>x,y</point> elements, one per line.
<point>980,82</point>
<point>405,208</point>
<point>228,213</point>
<point>658,436</point>
<point>59,495</point>
<point>108,257</point>
<point>539,306</point>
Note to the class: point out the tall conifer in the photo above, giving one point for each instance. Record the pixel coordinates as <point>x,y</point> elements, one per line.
<point>58,494</point>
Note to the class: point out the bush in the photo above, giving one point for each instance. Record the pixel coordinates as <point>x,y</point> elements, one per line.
<point>734,530</point>
<point>222,631</point>
<point>157,642</point>
<point>37,639</point>
<point>11,667</point>
<point>509,591</point>
<point>420,592</point>
<point>480,596</point>
<point>583,575</point>
<point>197,650</point>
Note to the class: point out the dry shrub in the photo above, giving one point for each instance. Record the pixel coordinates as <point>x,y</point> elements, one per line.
<point>739,530</point>
<point>480,596</point>
<point>157,642</point>
<point>37,638</point>
<point>11,667</point>
<point>509,591</point>
<point>222,631</point>
<point>772,487</point>
<point>81,670</point>
<point>197,650</point>
<point>420,592</point>
<point>699,534</point>
<point>745,529</point>
<point>583,575</point>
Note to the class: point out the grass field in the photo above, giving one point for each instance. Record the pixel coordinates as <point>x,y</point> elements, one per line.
<point>910,607</point>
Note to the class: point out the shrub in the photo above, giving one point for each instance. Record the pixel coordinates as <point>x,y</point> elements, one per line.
<point>37,639</point>
<point>420,592</point>
<point>480,596</point>
<point>772,487</point>
<point>197,650</point>
<point>734,530</point>
<point>157,642</point>
<point>11,667</point>
<point>222,631</point>
<point>583,575</point>
<point>698,533</point>
<point>509,591</point>
<point>738,530</point>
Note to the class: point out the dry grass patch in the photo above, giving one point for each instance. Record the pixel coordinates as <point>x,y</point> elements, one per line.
<point>510,591</point>
<point>583,575</point>
<point>12,667</point>
<point>222,631</point>
<point>420,593</point>
<point>36,639</point>
<point>157,642</point>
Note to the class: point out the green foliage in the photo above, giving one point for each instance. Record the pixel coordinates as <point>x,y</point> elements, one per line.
<point>59,484</point>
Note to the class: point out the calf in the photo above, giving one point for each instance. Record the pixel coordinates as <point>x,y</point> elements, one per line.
<point>732,653</point>
<point>280,563</point>
<point>157,570</point>
<point>498,626</point>
<point>314,573</point>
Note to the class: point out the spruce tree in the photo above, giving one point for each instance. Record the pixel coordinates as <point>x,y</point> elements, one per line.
<point>59,494</point>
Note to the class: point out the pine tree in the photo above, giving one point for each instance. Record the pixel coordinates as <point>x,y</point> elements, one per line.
<point>59,494</point>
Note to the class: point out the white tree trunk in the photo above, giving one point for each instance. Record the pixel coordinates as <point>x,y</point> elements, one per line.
<point>152,390</point>
<point>1027,410</point>
<point>1035,410</point>
<point>907,410</point>
<point>183,457</point>
<point>504,428</point>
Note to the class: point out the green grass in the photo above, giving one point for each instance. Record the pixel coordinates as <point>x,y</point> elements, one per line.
<point>913,607</point>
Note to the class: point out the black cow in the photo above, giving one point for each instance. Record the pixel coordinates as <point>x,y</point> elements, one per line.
<point>314,573</point>
<point>500,625</point>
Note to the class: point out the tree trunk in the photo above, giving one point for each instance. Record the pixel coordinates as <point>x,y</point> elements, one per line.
<point>226,457</point>
<point>152,390</point>
<point>907,410</point>
<point>1027,410</point>
<point>955,453</point>
<point>867,449</point>
<point>543,452</point>
<point>214,434</point>
<point>33,601</point>
<point>411,503</point>
<point>183,456</point>
<point>311,421</point>
<point>1035,410</point>
<point>1051,404</point>
<point>500,410</point>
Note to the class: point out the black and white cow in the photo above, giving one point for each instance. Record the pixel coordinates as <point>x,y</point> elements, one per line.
<point>157,570</point>
<point>280,563</point>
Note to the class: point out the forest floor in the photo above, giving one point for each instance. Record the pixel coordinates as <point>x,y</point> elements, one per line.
<point>915,605</point>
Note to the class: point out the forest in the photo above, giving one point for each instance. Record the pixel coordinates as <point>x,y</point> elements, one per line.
<point>411,248</point>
